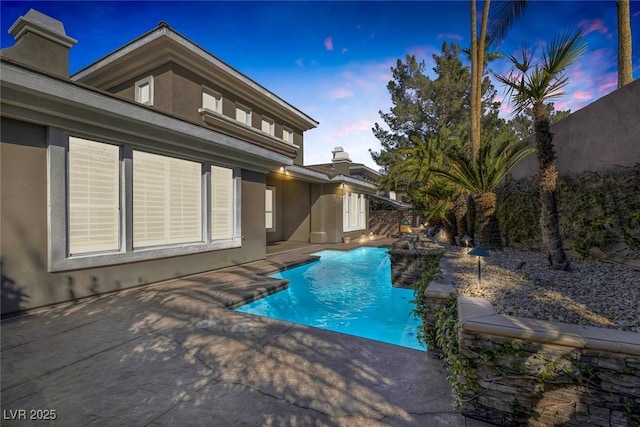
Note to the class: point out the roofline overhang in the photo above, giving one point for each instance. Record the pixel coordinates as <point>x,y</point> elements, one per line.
<point>305,174</point>
<point>194,59</point>
<point>357,183</point>
<point>41,98</point>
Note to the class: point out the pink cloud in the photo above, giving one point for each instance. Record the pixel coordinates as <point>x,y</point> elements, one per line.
<point>595,25</point>
<point>450,36</point>
<point>340,93</point>
<point>607,82</point>
<point>581,95</point>
<point>357,126</point>
<point>328,43</point>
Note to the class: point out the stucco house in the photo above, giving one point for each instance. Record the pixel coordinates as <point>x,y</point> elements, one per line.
<point>157,161</point>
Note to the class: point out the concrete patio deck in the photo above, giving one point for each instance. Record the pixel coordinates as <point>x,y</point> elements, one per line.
<point>174,354</point>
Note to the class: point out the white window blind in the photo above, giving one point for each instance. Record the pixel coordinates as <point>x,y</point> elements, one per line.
<point>269,202</point>
<point>243,115</point>
<point>268,126</point>
<point>287,135</point>
<point>354,212</point>
<point>144,91</point>
<point>94,202</point>
<point>212,102</point>
<point>167,200</point>
<point>222,203</point>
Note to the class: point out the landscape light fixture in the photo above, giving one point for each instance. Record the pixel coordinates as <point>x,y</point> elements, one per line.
<point>466,239</point>
<point>479,252</point>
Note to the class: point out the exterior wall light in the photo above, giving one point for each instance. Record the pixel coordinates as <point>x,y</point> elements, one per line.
<point>479,252</point>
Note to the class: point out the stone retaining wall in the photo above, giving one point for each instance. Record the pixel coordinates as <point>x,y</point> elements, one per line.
<point>409,260</point>
<point>530,372</point>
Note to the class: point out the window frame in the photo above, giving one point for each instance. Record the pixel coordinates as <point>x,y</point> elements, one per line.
<point>138,90</point>
<point>273,208</point>
<point>271,123</point>
<point>285,131</point>
<point>59,258</point>
<point>218,100</point>
<point>248,116</point>
<point>354,207</point>
<point>116,187</point>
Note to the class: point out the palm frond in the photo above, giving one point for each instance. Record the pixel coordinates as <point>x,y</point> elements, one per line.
<point>529,83</point>
<point>493,163</point>
<point>504,15</point>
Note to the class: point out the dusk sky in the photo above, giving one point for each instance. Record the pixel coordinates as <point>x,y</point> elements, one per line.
<point>332,60</point>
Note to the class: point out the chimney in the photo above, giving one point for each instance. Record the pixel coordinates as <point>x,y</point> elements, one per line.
<point>341,161</point>
<point>41,43</point>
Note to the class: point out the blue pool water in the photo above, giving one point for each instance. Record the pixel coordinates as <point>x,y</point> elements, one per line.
<point>348,292</point>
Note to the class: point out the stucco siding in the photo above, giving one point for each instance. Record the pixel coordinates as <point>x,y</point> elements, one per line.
<point>26,281</point>
<point>598,137</point>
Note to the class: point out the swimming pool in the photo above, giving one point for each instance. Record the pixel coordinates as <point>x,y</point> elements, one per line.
<point>348,292</point>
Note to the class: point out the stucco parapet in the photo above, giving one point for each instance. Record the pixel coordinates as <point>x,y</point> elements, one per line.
<point>478,315</point>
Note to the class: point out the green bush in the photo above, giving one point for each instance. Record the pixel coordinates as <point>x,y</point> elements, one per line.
<point>595,209</point>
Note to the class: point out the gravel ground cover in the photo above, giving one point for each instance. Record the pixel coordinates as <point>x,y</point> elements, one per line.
<point>593,293</point>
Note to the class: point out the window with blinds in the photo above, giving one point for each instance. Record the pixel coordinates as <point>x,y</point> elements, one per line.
<point>222,203</point>
<point>167,200</point>
<point>243,115</point>
<point>212,101</point>
<point>268,126</point>
<point>269,202</point>
<point>287,135</point>
<point>144,91</point>
<point>354,212</point>
<point>362,218</point>
<point>93,196</point>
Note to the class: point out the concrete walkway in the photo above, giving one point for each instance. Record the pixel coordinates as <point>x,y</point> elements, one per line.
<point>174,354</point>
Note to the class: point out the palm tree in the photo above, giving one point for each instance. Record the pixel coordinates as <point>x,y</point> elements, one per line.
<point>531,85</point>
<point>625,74</point>
<point>480,177</point>
<point>507,13</point>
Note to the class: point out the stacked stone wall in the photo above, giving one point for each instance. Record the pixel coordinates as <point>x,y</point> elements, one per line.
<point>549,385</point>
<point>518,371</point>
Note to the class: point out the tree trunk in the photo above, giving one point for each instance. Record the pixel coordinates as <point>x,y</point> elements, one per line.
<point>488,231</point>
<point>549,223</point>
<point>625,74</point>
<point>471,217</point>
<point>478,47</point>
<point>460,211</point>
<point>473,107</point>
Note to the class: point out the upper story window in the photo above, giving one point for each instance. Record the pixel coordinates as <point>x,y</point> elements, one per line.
<point>268,126</point>
<point>144,91</point>
<point>243,114</point>
<point>212,101</point>
<point>287,135</point>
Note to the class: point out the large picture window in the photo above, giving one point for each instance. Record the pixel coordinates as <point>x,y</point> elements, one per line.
<point>112,204</point>
<point>167,200</point>
<point>94,201</point>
